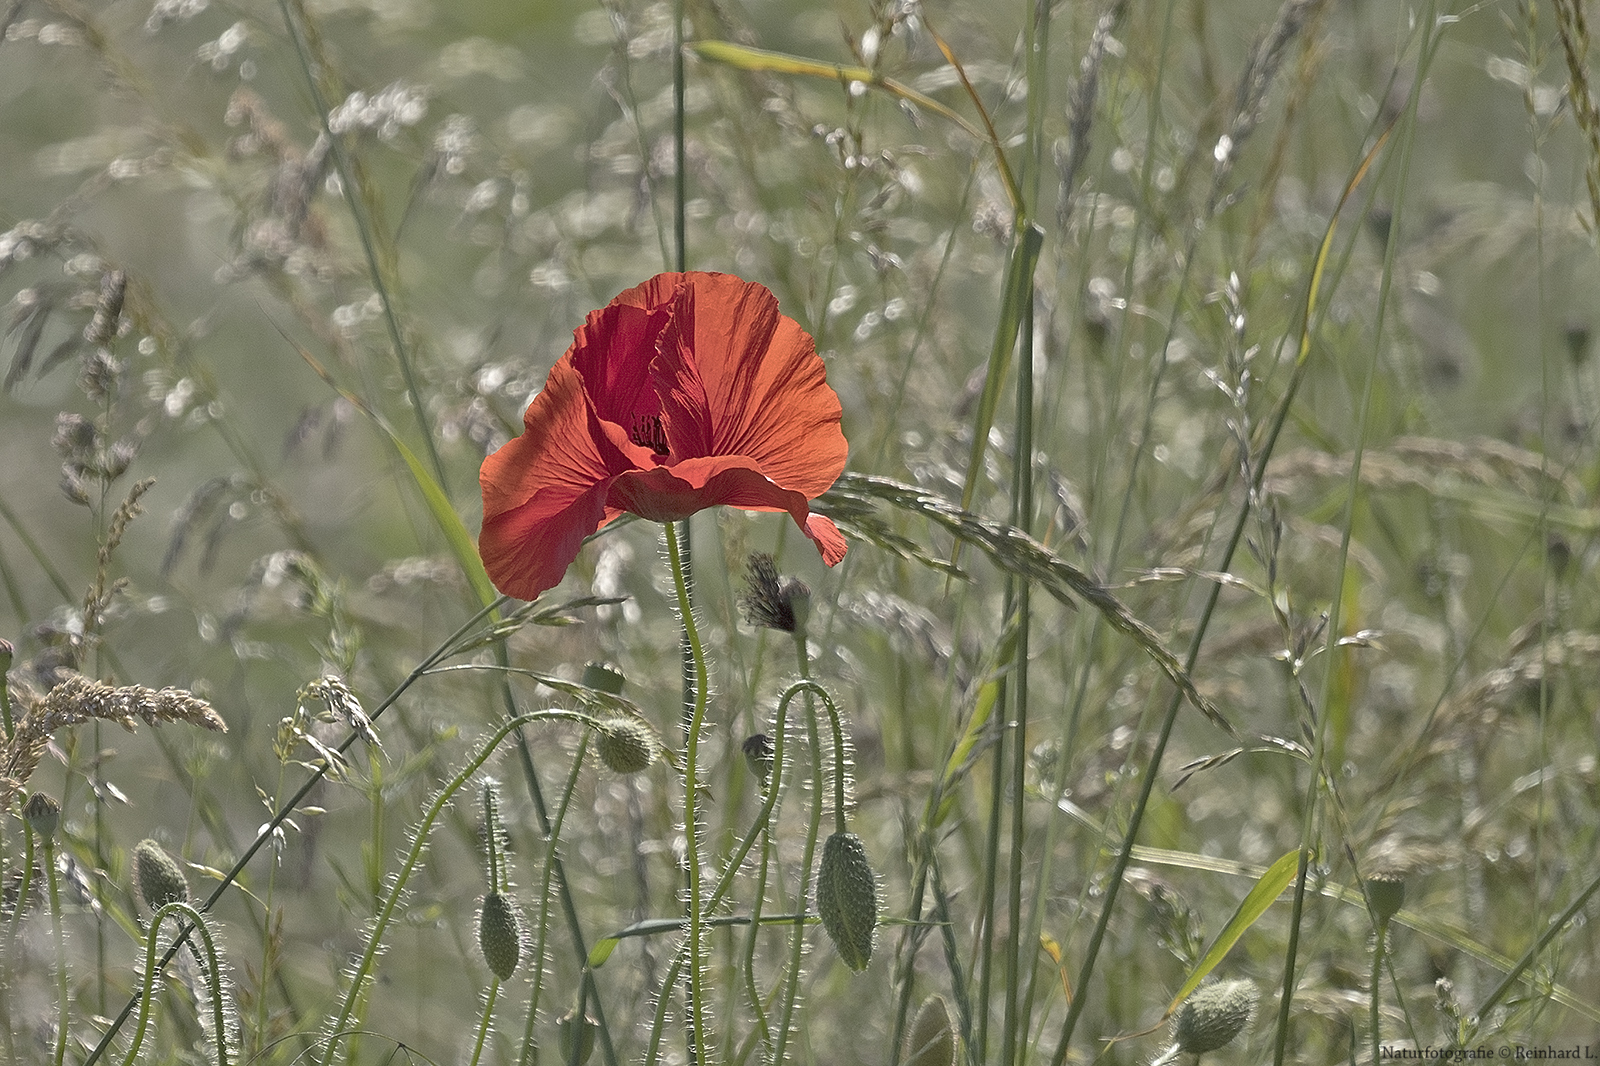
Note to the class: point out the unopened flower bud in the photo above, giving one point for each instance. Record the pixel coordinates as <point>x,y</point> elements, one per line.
<point>157,875</point>
<point>626,745</point>
<point>603,677</point>
<point>758,755</point>
<point>43,815</point>
<point>1213,1015</point>
<point>933,1038</point>
<point>1386,893</point>
<point>847,898</point>
<point>576,1031</point>
<point>500,934</point>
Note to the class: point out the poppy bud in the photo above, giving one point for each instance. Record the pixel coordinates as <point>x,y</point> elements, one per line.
<point>43,815</point>
<point>847,898</point>
<point>626,745</point>
<point>1386,894</point>
<point>159,878</point>
<point>1213,1015</point>
<point>500,934</point>
<point>603,677</point>
<point>758,755</point>
<point>933,1038</point>
<point>579,1031</point>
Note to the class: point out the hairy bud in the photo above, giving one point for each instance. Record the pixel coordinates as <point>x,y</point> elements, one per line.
<point>847,898</point>
<point>158,876</point>
<point>626,745</point>
<point>500,934</point>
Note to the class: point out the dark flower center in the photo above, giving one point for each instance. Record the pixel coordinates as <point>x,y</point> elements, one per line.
<point>648,433</point>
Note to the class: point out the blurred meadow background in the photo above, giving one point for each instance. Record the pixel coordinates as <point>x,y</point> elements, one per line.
<point>1246,343</point>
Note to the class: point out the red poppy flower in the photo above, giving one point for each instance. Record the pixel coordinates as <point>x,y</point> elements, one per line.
<point>684,393</point>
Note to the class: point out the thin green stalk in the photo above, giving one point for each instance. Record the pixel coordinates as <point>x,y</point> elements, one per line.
<point>541,812</point>
<point>1311,317</point>
<point>1013,1047</point>
<point>984,949</point>
<point>1380,943</point>
<point>551,864</point>
<point>725,882</point>
<point>59,938</point>
<point>680,177</point>
<point>483,1023</point>
<point>5,691</point>
<point>1018,684</point>
<point>791,993</point>
<point>763,824</point>
<point>24,887</point>
<point>691,803</point>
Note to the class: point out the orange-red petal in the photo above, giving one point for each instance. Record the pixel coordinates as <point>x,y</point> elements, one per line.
<point>686,392</point>
<point>545,491</point>
<point>763,388</point>
<point>667,493</point>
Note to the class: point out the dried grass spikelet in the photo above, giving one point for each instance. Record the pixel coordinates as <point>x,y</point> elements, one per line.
<point>78,699</point>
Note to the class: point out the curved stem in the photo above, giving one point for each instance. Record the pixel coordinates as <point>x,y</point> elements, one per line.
<point>209,961</point>
<point>813,828</point>
<point>691,803</point>
<point>363,968</point>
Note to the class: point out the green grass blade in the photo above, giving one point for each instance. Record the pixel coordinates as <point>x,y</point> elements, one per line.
<point>1266,891</point>
<point>743,57</point>
<point>1019,278</point>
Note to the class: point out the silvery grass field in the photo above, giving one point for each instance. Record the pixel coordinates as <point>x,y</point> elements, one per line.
<point>1212,671</point>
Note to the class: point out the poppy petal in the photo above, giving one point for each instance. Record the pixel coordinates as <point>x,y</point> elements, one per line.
<point>826,536</point>
<point>668,493</point>
<point>545,491</point>
<point>765,389</point>
<point>612,352</point>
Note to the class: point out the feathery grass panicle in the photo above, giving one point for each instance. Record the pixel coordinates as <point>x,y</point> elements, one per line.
<point>77,699</point>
